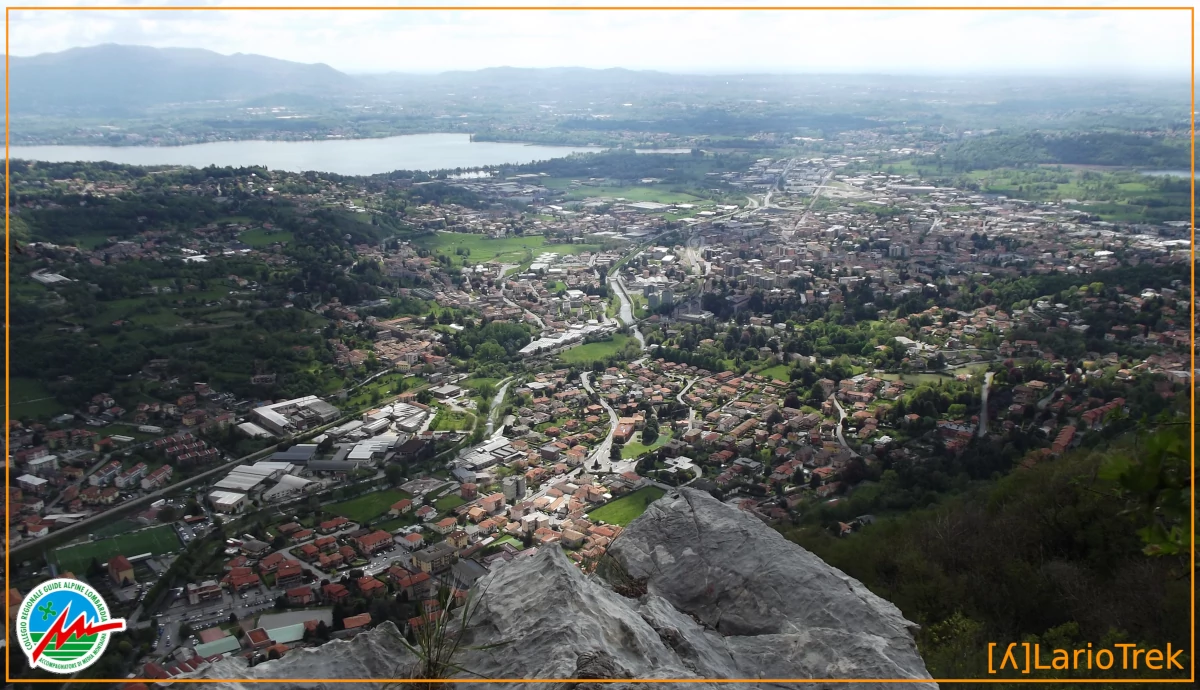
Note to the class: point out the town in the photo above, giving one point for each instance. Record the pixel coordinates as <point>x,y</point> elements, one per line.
<point>501,363</point>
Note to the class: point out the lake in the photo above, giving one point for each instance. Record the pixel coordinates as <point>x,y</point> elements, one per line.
<point>341,156</point>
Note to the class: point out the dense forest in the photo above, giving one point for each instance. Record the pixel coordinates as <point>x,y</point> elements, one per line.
<point>1090,547</point>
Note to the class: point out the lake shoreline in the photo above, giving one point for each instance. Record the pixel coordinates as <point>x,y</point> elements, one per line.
<point>432,152</point>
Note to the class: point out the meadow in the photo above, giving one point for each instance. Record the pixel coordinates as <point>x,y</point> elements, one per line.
<point>590,352</point>
<point>368,507</point>
<point>627,508</point>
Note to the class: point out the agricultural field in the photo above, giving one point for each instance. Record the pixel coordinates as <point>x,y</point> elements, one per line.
<point>368,507</point>
<point>155,540</point>
<point>627,508</point>
<point>585,354</point>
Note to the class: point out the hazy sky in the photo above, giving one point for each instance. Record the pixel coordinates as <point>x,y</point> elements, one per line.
<point>1052,42</point>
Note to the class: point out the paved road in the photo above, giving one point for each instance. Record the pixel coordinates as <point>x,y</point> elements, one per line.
<point>841,417</point>
<point>691,410</point>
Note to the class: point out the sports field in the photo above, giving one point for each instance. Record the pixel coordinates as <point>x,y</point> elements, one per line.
<point>156,540</point>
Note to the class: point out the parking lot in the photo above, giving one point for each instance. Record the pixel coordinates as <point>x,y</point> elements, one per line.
<point>249,604</point>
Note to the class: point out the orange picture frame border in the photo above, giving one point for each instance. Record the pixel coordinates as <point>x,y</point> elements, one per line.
<point>1189,10</point>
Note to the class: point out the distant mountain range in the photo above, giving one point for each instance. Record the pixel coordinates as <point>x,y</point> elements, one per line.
<point>120,80</point>
<point>117,79</point>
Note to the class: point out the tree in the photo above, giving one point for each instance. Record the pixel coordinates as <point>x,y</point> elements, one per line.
<point>649,434</point>
<point>166,514</point>
<point>394,473</point>
<point>233,618</point>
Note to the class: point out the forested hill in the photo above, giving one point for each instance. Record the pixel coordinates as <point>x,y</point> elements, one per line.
<point>1007,150</point>
<point>1088,548</point>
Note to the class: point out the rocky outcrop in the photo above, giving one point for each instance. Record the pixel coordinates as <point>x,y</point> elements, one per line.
<point>708,591</point>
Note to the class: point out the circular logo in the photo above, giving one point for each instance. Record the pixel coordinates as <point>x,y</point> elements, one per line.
<point>63,626</point>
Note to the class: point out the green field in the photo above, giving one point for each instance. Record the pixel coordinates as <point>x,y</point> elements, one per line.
<point>156,540</point>
<point>259,237</point>
<point>476,383</point>
<point>368,507</point>
<point>513,250</point>
<point>625,509</point>
<point>636,449</point>
<point>396,523</point>
<point>448,502</point>
<point>448,420</point>
<point>30,399</point>
<point>115,528</point>
<point>779,371</point>
<point>585,354</point>
<point>508,539</point>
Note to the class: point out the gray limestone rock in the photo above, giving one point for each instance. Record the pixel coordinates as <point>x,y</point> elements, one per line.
<point>718,595</point>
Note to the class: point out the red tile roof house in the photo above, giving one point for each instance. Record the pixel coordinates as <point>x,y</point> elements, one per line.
<point>240,578</point>
<point>289,573</point>
<point>378,540</point>
<point>401,507</point>
<point>326,544</point>
<point>258,639</point>
<point>370,587</point>
<point>300,596</point>
<point>289,528</point>
<point>308,552</point>
<point>445,525</point>
<point>270,563</point>
<point>334,592</point>
<point>354,624</point>
<point>415,585</point>
<point>332,525</point>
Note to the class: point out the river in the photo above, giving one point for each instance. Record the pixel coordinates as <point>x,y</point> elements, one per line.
<point>340,156</point>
